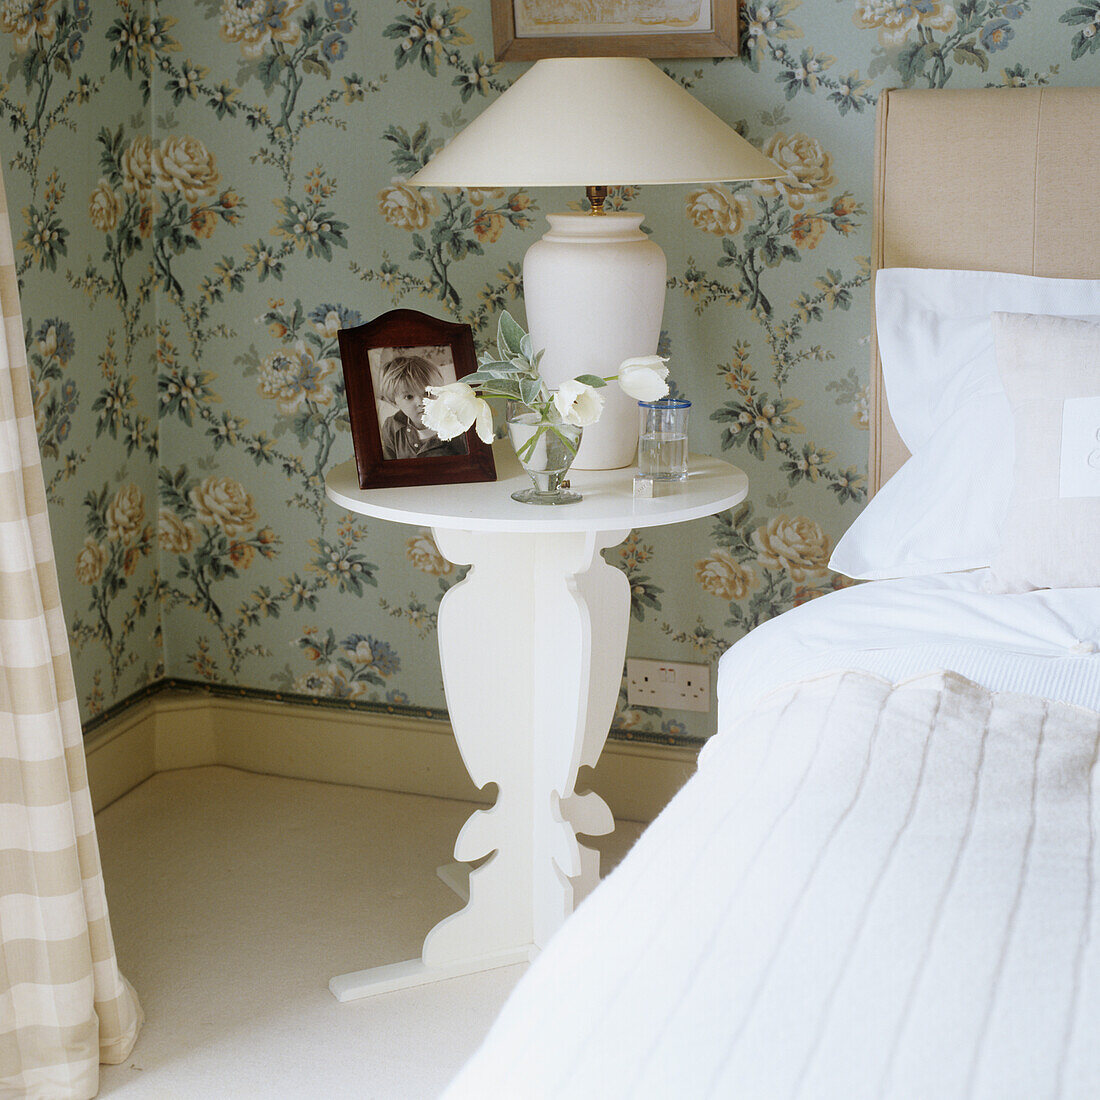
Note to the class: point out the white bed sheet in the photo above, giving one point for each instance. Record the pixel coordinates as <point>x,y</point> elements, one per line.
<point>868,892</point>
<point>1044,643</point>
<point>897,915</point>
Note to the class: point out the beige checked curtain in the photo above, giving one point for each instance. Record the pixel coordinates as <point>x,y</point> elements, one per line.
<point>64,1006</point>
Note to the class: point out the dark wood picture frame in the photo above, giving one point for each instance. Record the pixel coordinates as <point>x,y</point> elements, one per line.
<point>406,328</point>
<point>720,41</point>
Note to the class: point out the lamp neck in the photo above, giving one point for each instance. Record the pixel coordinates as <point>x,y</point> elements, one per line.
<point>576,228</point>
<point>596,198</point>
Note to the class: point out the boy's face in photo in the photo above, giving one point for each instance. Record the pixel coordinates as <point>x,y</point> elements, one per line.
<point>411,403</point>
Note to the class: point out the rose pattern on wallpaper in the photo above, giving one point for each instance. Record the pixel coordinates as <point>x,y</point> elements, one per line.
<point>461,223</point>
<point>50,349</point>
<point>791,215</point>
<point>345,669</point>
<point>423,554</point>
<point>288,47</point>
<point>118,538</point>
<point>203,195</point>
<point>47,40</point>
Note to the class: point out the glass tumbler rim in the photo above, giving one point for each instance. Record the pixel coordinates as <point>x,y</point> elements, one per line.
<point>666,403</point>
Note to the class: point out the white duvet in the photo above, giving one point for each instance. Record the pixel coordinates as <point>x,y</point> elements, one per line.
<point>870,889</point>
<point>1045,642</point>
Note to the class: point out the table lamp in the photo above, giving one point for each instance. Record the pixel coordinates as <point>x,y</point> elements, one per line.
<point>594,284</point>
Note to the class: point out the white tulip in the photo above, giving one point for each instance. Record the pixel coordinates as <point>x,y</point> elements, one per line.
<point>578,404</point>
<point>483,423</point>
<point>452,409</point>
<point>643,377</point>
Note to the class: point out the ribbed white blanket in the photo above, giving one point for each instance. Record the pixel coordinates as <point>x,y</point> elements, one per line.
<point>868,890</point>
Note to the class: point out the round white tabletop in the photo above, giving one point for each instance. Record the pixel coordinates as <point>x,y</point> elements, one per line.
<point>609,502</point>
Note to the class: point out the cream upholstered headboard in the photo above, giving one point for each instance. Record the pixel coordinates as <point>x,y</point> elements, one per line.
<point>992,180</point>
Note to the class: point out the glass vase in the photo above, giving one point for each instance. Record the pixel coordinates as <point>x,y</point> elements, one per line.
<point>545,446</point>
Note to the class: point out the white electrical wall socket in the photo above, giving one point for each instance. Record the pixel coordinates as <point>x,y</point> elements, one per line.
<point>675,684</point>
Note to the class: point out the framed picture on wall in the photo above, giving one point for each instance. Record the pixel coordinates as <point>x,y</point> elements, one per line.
<point>389,363</point>
<point>525,30</point>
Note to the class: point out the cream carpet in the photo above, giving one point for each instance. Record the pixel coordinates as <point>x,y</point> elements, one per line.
<point>235,897</point>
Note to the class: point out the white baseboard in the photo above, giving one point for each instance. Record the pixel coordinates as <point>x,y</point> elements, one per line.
<point>413,755</point>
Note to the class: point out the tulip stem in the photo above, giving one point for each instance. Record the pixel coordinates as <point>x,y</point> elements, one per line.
<point>528,448</point>
<point>563,437</point>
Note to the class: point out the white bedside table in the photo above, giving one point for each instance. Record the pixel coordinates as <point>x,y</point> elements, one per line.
<point>532,645</point>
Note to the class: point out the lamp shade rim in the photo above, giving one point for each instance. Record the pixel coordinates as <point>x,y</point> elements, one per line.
<point>426,178</point>
<point>595,121</point>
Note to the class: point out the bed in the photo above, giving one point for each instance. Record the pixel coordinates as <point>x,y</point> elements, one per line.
<point>882,880</point>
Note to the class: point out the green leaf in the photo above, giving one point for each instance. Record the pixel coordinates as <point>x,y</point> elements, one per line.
<point>479,376</point>
<point>911,61</point>
<point>754,237</point>
<point>878,65</point>
<point>1077,15</point>
<point>500,369</point>
<point>968,54</point>
<point>503,387</point>
<point>314,64</point>
<point>593,380</point>
<point>419,142</point>
<point>269,71</point>
<point>529,389</point>
<point>1081,46</point>
<point>509,336</point>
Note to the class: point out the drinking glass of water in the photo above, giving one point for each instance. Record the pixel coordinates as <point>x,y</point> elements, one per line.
<point>663,439</point>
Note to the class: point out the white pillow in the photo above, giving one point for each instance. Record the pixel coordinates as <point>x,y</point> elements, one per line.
<point>1051,372</point>
<point>942,511</point>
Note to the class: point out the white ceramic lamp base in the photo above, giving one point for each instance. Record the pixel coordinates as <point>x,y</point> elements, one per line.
<point>595,291</point>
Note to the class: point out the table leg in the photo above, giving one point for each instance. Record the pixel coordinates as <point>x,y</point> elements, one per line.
<point>532,645</point>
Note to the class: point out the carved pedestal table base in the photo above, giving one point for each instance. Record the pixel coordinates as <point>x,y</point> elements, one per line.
<point>532,644</point>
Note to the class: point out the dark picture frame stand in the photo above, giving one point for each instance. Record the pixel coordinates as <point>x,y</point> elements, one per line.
<point>406,328</point>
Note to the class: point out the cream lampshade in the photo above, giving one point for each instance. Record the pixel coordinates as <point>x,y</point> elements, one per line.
<point>594,285</point>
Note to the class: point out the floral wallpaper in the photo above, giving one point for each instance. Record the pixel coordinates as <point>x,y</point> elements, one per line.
<point>203,194</point>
